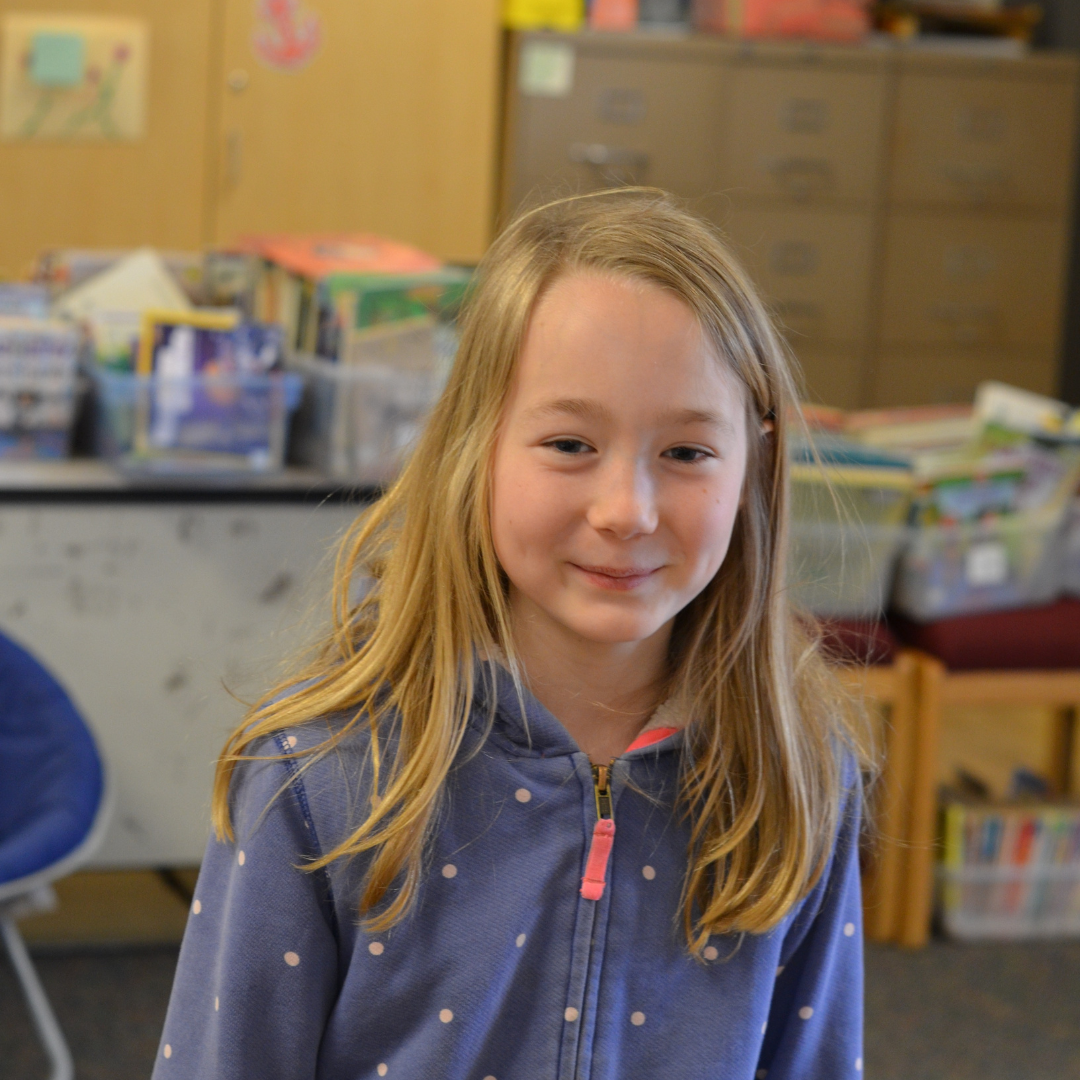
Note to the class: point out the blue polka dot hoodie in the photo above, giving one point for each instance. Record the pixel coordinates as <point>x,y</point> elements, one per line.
<point>544,943</point>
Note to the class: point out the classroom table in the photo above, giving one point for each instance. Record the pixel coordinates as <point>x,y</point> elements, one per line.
<point>157,603</point>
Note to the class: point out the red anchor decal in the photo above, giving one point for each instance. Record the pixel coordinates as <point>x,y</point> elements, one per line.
<point>292,37</point>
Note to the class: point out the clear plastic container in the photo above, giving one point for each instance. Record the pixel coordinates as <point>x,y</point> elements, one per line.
<point>39,389</point>
<point>1072,550</point>
<point>987,902</point>
<point>847,529</point>
<point>198,425</point>
<point>1010,871</point>
<point>358,422</point>
<point>962,569</point>
<point>360,418</point>
<point>843,571</point>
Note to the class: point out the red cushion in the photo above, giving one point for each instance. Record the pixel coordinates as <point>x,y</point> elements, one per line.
<point>1044,638</point>
<point>855,641</point>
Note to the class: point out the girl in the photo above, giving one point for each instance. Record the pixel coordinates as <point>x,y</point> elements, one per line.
<point>565,794</point>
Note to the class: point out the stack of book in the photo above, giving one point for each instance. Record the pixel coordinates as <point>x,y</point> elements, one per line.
<point>326,291</point>
<point>1010,871</point>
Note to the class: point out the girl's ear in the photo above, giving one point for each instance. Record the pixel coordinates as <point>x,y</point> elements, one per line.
<point>768,423</point>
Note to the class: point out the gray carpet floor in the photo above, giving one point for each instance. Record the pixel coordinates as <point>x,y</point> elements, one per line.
<point>949,1012</point>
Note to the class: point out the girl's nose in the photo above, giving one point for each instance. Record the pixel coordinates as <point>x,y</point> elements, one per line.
<point>624,500</point>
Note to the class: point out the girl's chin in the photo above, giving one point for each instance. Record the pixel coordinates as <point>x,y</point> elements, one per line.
<point>613,631</point>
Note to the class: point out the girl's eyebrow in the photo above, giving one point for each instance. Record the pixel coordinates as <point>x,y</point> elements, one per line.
<point>589,409</point>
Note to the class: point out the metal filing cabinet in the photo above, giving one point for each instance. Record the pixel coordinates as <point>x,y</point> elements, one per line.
<point>906,214</point>
<point>977,221</point>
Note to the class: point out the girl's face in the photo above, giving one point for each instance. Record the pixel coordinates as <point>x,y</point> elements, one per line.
<point>619,464</point>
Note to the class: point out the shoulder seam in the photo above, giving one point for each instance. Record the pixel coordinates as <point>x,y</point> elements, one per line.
<point>296,785</point>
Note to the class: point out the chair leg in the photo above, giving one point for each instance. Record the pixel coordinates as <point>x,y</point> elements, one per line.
<point>919,898</point>
<point>886,893</point>
<point>52,1037</point>
<point>1062,749</point>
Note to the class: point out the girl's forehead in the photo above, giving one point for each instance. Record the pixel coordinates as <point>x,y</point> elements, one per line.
<point>620,338</point>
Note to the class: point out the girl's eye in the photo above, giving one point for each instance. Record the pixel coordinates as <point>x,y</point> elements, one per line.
<point>569,446</point>
<point>688,454</point>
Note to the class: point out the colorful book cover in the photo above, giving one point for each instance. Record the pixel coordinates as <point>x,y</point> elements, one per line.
<point>318,256</point>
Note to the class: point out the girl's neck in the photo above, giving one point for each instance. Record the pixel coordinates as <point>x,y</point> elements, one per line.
<point>603,694</point>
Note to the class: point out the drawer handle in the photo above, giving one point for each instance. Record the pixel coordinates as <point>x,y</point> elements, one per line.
<point>802,177</point>
<point>965,322</point>
<point>600,156</point>
<point>974,179</point>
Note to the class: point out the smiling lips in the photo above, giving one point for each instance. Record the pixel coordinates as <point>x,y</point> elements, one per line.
<point>610,577</point>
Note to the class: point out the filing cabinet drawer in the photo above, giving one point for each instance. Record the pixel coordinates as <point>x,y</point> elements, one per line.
<point>813,267</point>
<point>950,375</point>
<point>831,374</point>
<point>972,281</point>
<point>802,133</point>
<point>613,118</point>
<point>972,141</point>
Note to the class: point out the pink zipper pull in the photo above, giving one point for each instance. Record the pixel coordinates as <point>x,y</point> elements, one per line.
<point>603,836</point>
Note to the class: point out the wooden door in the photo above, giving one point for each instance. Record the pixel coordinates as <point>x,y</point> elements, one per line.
<point>359,115</point>
<point>118,194</point>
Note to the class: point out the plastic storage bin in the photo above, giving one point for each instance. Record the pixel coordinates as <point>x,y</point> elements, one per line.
<point>358,421</point>
<point>360,418</point>
<point>985,566</point>
<point>1072,550</point>
<point>38,387</point>
<point>1010,872</point>
<point>198,425</point>
<point>847,530</point>
<point>843,571</point>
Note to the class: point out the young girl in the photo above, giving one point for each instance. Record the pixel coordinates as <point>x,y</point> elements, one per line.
<point>567,793</point>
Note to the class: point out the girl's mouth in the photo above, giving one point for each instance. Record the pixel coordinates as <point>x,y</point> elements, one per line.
<point>614,578</point>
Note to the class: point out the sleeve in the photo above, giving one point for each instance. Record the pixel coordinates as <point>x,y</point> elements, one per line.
<point>258,969</point>
<point>815,1026</point>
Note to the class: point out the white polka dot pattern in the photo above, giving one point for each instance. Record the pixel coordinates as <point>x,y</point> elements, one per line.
<point>376,948</point>
<point>449,870</point>
<point>858,1064</point>
<point>849,929</point>
<point>648,873</point>
<point>779,971</point>
<point>291,740</point>
<point>570,1015</point>
<point>292,959</point>
<point>167,1051</point>
<point>519,940</point>
<point>196,907</point>
<point>761,1074</point>
<point>381,1068</point>
<point>764,1026</point>
<point>637,1018</point>
<point>445,1015</point>
<point>806,1012</point>
<point>711,952</point>
<point>240,857</point>
<point>217,1004</point>
<point>523,795</point>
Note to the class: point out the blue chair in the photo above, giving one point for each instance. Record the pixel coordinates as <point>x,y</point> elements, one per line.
<point>53,814</point>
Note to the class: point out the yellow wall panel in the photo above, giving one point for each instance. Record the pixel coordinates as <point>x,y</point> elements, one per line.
<point>104,194</point>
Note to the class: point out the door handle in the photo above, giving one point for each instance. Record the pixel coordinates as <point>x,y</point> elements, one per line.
<point>802,177</point>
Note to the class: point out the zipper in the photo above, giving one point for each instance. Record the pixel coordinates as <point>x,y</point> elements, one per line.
<point>592,884</point>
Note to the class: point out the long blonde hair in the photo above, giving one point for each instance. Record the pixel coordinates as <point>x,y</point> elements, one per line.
<point>761,780</point>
